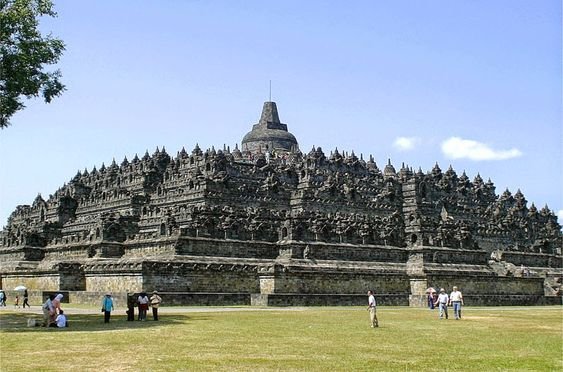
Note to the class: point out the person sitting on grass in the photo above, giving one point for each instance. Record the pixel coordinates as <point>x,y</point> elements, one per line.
<point>61,320</point>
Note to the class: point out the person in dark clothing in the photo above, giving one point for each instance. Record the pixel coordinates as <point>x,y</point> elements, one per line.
<point>131,303</point>
<point>25,299</point>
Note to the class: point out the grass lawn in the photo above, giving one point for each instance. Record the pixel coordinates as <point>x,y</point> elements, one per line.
<point>313,339</point>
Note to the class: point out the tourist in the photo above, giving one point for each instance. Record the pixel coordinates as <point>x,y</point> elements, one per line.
<point>57,302</point>
<point>372,310</point>
<point>456,299</point>
<point>155,303</point>
<point>431,297</point>
<point>48,310</point>
<point>2,298</point>
<point>17,302</point>
<point>25,299</point>
<point>107,307</point>
<point>57,307</point>
<point>443,302</point>
<point>131,303</point>
<point>143,302</point>
<point>61,321</point>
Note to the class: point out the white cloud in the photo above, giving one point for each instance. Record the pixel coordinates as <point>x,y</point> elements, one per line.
<point>560,216</point>
<point>405,143</point>
<point>459,148</point>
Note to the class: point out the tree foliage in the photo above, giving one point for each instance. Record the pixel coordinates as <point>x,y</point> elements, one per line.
<point>24,53</point>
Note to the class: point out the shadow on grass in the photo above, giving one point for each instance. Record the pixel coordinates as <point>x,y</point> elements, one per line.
<point>17,322</point>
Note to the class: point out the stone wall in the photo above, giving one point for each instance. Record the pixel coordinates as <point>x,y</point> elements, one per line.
<point>202,281</point>
<point>226,248</point>
<point>293,299</point>
<point>168,298</point>
<point>350,252</point>
<point>190,277</point>
<point>114,282</point>
<point>332,282</point>
<point>151,247</point>
<point>32,281</point>
<point>205,299</point>
<point>532,259</point>
<point>95,298</point>
<point>72,278</point>
<point>66,252</point>
<point>22,253</point>
<point>510,300</point>
<point>454,256</point>
<point>485,286</point>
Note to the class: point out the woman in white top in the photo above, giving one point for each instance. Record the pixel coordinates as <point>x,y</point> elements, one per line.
<point>143,301</point>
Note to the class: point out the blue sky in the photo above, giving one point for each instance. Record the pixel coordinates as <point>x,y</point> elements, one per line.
<point>474,84</point>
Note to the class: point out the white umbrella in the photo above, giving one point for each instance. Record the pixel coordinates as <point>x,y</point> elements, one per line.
<point>20,288</point>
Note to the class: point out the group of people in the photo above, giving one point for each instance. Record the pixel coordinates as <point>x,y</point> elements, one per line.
<point>142,301</point>
<point>442,300</point>
<point>4,298</point>
<point>53,315</point>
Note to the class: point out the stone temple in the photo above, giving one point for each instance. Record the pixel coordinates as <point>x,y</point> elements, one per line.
<point>268,224</point>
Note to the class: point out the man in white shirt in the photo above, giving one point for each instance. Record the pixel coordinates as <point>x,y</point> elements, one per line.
<point>443,300</point>
<point>61,320</point>
<point>456,299</point>
<point>372,310</point>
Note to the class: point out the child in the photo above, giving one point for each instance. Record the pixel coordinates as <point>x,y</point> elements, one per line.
<point>61,320</point>
<point>17,302</point>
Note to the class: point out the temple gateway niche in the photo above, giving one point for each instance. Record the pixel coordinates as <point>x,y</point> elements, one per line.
<point>267,224</point>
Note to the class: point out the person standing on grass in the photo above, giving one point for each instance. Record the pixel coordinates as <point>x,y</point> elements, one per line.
<point>443,302</point>
<point>143,301</point>
<point>372,310</point>
<point>131,302</point>
<point>107,307</point>
<point>155,303</point>
<point>456,299</point>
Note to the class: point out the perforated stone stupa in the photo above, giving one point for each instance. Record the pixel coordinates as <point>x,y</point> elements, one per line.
<point>268,224</point>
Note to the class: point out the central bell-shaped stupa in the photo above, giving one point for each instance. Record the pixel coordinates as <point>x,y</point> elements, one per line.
<point>269,134</point>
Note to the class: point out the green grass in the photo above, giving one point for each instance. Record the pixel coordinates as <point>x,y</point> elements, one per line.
<point>312,339</point>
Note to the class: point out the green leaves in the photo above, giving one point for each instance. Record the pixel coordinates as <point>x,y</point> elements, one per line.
<point>24,54</point>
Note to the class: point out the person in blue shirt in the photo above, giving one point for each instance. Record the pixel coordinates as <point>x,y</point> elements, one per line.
<point>107,307</point>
